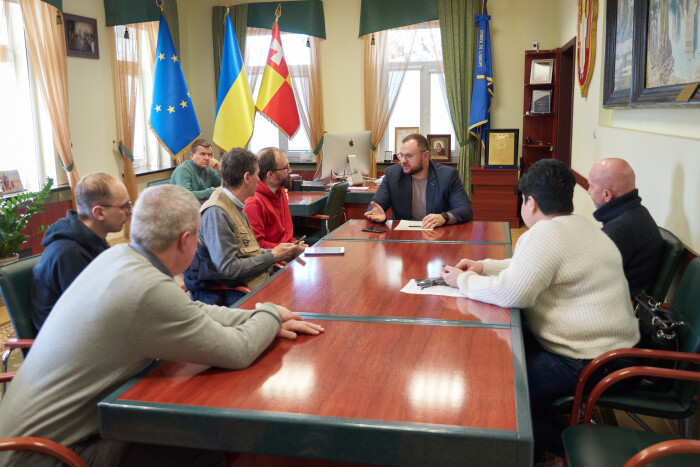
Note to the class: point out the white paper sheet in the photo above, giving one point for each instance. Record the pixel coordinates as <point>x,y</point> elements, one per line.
<point>443,290</point>
<point>410,225</point>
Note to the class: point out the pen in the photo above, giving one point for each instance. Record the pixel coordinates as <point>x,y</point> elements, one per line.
<point>300,240</point>
<point>415,226</point>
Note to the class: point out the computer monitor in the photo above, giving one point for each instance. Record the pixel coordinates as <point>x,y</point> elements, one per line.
<point>336,149</point>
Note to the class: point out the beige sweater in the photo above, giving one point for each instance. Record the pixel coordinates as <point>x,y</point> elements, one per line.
<point>567,276</point>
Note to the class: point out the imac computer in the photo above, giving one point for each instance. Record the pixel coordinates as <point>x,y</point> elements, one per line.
<point>336,149</point>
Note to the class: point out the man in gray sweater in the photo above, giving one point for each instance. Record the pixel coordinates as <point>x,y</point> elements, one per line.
<point>124,311</point>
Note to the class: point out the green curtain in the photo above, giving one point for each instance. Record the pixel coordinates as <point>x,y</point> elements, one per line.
<point>119,12</point>
<point>301,17</point>
<point>239,20</point>
<point>379,15</point>
<point>459,40</point>
<point>57,3</point>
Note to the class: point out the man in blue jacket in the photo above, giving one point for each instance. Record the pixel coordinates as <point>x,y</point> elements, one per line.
<point>419,189</point>
<point>74,241</point>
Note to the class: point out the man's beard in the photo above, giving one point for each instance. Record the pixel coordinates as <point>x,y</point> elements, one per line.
<point>287,183</point>
<point>415,170</point>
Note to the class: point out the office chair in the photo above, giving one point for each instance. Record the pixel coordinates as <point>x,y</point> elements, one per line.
<point>673,250</point>
<point>331,217</point>
<point>604,445</point>
<point>15,286</point>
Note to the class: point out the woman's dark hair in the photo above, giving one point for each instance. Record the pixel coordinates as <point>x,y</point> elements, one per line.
<point>551,184</point>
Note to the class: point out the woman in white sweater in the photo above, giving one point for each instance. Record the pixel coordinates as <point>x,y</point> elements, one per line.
<point>567,277</point>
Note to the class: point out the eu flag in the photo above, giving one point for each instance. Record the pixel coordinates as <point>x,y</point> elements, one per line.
<point>172,115</point>
<point>483,79</point>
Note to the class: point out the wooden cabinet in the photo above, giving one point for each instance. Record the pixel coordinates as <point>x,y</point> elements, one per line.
<point>494,195</point>
<point>540,129</point>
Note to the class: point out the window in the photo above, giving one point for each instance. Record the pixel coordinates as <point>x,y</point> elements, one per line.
<point>422,101</point>
<point>148,152</point>
<point>25,127</point>
<point>298,58</point>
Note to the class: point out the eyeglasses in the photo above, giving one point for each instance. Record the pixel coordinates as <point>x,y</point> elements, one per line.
<point>283,168</point>
<point>124,207</point>
<point>408,157</point>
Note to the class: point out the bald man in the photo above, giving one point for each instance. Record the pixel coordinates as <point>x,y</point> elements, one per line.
<point>611,185</point>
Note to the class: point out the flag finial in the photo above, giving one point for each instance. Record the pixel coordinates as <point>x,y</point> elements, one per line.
<point>278,12</point>
<point>159,4</point>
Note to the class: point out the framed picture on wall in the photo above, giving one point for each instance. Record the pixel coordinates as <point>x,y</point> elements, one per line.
<point>440,147</point>
<point>400,132</point>
<point>501,147</point>
<point>81,36</point>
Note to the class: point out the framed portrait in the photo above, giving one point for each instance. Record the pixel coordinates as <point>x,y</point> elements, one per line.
<point>81,36</point>
<point>400,132</point>
<point>540,102</point>
<point>10,182</point>
<point>501,148</point>
<point>619,40</point>
<point>440,147</point>
<point>541,71</point>
<point>659,77</point>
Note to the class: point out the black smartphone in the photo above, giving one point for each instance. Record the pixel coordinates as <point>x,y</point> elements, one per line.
<point>373,230</point>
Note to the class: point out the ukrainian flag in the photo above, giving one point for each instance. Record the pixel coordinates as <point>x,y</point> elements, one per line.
<point>483,79</point>
<point>172,115</point>
<point>235,110</point>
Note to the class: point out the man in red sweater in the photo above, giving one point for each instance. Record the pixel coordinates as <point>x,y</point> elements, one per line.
<point>268,210</point>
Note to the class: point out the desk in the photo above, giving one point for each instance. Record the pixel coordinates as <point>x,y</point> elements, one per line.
<point>305,203</point>
<point>396,378</point>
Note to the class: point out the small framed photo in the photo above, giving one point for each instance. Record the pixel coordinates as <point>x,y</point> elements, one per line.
<point>541,71</point>
<point>10,181</point>
<point>388,156</point>
<point>400,132</point>
<point>541,102</point>
<point>440,147</point>
<point>81,36</point>
<point>501,147</point>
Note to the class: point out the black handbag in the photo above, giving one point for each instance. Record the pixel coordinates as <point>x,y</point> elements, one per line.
<point>658,330</point>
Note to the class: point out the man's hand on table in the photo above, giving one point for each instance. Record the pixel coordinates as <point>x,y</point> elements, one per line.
<point>377,214</point>
<point>292,324</point>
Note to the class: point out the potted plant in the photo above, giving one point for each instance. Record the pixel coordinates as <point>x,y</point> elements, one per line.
<point>12,223</point>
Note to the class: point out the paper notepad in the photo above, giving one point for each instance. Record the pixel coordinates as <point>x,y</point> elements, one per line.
<point>410,225</point>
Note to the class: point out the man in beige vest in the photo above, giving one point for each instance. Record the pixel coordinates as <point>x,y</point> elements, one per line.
<point>228,255</point>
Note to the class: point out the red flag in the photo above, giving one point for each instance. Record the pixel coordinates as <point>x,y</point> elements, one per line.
<point>276,96</point>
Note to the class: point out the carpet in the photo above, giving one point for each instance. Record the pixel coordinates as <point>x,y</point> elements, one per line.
<point>6,332</point>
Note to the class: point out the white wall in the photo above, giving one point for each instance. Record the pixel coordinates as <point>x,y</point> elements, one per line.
<point>662,145</point>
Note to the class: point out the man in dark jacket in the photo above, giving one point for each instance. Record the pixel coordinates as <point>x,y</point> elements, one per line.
<point>71,243</point>
<point>611,184</point>
<point>419,189</point>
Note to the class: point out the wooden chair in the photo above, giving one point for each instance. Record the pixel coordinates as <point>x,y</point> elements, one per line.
<point>604,445</point>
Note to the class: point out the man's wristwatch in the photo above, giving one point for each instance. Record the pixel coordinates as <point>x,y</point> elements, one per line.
<point>446,217</point>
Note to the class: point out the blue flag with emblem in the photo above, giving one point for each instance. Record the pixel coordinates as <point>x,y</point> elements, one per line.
<point>483,80</point>
<point>172,115</point>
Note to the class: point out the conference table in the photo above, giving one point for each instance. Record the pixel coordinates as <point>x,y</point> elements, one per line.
<point>396,379</point>
<point>305,203</point>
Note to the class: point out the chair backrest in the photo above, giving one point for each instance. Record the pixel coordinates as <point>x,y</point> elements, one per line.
<point>15,286</point>
<point>686,306</point>
<point>673,250</point>
<point>334,205</point>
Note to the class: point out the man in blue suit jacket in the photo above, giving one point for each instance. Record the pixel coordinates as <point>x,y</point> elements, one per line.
<point>419,189</point>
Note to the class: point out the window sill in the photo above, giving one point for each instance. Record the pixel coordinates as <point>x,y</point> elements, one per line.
<point>146,171</point>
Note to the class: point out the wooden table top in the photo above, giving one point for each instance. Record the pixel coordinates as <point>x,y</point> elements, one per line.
<point>305,203</point>
<point>488,232</point>
<point>395,379</point>
<point>379,270</point>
